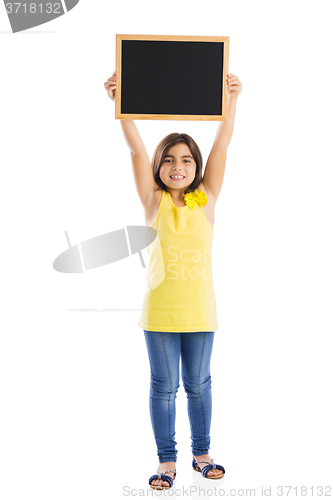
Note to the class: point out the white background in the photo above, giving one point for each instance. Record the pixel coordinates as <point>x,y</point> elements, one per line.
<point>75,385</point>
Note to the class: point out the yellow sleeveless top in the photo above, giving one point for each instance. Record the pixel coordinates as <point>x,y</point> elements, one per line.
<point>179,292</point>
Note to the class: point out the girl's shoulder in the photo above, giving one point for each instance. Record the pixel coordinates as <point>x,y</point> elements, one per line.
<point>211,201</point>
<point>209,208</point>
<point>152,206</point>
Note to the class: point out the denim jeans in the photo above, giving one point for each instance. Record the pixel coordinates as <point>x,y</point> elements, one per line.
<point>165,349</point>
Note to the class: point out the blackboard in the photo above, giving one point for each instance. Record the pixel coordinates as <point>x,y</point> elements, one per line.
<point>171,77</point>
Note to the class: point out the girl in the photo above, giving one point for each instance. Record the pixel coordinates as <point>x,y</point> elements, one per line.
<point>179,307</point>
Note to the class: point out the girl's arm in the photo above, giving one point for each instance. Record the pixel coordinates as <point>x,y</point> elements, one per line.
<point>215,167</point>
<point>132,137</point>
<point>143,174</point>
<point>226,128</point>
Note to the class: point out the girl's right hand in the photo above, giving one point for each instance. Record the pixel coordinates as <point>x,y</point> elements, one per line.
<point>110,86</point>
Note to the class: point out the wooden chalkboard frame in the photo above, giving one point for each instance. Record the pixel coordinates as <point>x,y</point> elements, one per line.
<point>225,68</point>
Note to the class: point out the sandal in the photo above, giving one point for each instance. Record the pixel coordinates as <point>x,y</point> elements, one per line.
<point>211,465</point>
<point>164,477</point>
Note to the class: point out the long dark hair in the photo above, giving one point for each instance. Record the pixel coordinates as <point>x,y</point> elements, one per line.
<point>161,152</point>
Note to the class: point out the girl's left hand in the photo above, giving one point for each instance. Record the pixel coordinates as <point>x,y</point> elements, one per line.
<point>234,85</point>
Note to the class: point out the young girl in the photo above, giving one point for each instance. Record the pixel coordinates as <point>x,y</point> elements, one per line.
<point>179,307</point>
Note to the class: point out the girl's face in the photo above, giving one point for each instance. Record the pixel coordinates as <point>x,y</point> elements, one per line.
<point>178,161</point>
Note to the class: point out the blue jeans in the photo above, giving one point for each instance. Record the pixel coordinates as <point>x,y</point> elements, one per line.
<point>164,351</point>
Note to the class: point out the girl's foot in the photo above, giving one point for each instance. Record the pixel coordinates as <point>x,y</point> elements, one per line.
<point>206,458</point>
<point>163,467</point>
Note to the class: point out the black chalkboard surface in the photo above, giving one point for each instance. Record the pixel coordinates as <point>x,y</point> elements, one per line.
<point>171,77</point>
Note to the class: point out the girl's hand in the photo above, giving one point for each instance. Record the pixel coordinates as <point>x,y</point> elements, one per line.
<point>110,86</point>
<point>234,85</point>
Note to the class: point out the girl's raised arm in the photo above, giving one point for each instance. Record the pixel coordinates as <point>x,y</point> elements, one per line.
<point>215,167</point>
<point>143,174</point>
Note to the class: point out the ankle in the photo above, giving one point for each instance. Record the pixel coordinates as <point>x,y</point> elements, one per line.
<point>165,466</point>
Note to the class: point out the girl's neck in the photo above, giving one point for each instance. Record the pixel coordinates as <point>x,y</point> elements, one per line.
<point>177,194</point>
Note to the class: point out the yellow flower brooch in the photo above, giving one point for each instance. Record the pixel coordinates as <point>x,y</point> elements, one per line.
<point>194,196</point>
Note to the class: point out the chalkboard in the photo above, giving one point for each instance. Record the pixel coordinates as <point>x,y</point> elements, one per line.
<point>172,77</point>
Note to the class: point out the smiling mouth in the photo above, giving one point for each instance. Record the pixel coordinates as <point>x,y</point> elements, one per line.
<point>177,178</point>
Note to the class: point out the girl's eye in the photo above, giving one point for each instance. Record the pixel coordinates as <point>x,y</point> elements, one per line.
<point>169,161</point>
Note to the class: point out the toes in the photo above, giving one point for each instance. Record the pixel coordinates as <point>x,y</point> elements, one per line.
<point>217,472</point>
<point>159,482</point>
